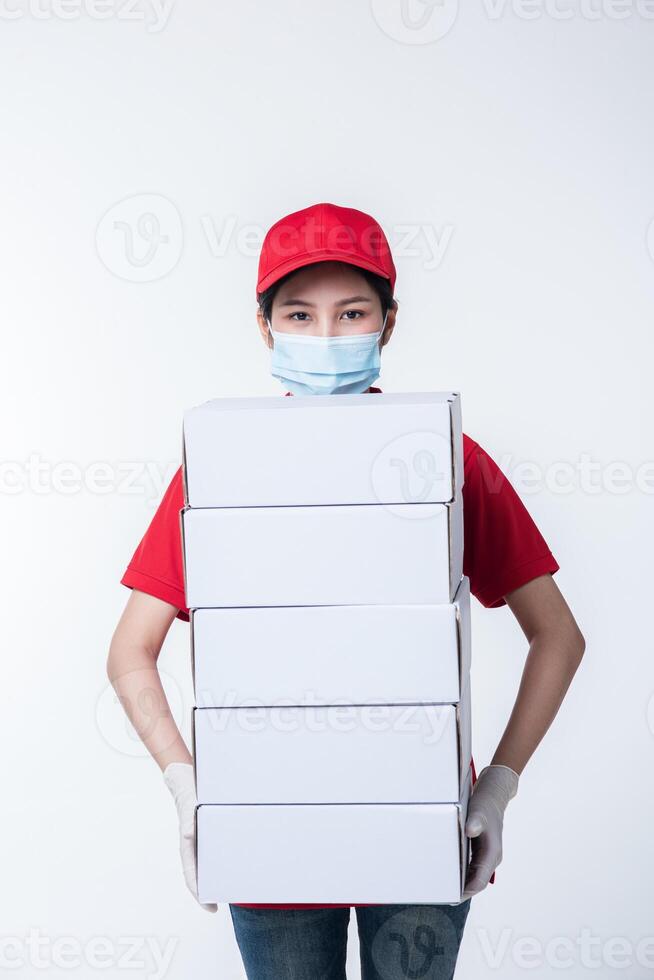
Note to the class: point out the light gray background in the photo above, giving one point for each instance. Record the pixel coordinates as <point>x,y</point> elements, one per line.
<point>518,138</point>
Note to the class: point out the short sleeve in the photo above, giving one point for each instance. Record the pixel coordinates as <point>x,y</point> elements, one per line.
<point>157,565</point>
<point>503,548</point>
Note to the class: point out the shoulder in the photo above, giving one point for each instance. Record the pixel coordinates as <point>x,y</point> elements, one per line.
<point>478,463</point>
<point>173,497</point>
<point>176,485</point>
<point>470,447</point>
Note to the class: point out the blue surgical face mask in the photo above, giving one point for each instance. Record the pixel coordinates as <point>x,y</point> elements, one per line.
<point>326,365</point>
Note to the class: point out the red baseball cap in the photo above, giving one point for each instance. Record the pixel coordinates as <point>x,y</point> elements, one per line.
<point>320,233</point>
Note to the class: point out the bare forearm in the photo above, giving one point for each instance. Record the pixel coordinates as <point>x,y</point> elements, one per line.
<point>552,661</point>
<point>134,676</point>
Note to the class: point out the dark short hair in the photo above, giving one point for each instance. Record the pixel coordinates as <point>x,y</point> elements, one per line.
<point>380,284</point>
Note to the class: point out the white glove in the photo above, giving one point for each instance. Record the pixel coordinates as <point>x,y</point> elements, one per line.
<point>493,789</point>
<point>178,777</point>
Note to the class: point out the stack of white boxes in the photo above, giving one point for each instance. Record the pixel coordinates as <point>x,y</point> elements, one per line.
<point>330,637</point>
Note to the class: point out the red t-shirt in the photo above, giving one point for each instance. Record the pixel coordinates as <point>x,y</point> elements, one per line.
<point>502,550</point>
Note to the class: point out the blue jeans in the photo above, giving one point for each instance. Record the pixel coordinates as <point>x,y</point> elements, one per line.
<point>396,942</point>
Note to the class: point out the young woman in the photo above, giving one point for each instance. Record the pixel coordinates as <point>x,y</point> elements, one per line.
<point>326,310</point>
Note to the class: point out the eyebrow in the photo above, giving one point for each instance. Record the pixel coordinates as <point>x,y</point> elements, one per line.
<point>342,302</point>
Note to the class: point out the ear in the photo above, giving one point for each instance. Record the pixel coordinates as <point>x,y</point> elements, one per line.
<point>390,323</point>
<point>263,328</point>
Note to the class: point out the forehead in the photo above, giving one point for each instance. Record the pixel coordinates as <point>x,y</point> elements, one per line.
<point>325,277</point>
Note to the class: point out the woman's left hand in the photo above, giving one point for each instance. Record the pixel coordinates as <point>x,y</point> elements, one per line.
<point>493,789</point>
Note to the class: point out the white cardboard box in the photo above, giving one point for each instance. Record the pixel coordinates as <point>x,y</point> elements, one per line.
<point>331,449</point>
<point>404,853</point>
<point>322,555</point>
<point>417,753</point>
<point>331,654</point>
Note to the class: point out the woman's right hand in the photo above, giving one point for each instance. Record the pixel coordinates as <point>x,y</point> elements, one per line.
<point>496,785</point>
<point>178,777</point>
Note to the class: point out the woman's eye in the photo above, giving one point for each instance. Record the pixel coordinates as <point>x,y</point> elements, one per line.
<point>301,316</point>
